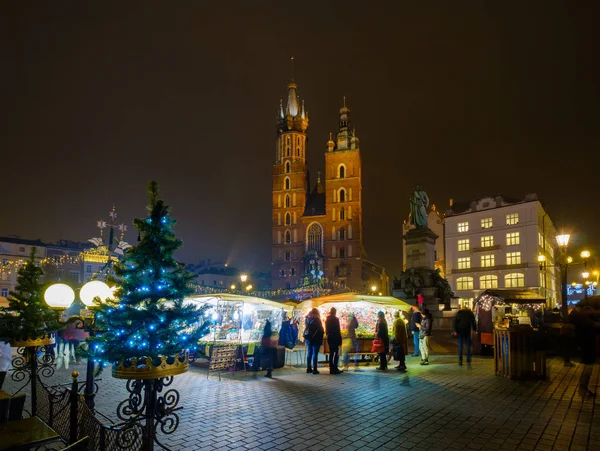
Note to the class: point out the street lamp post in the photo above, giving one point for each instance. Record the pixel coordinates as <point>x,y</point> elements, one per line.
<point>563,242</point>
<point>585,274</point>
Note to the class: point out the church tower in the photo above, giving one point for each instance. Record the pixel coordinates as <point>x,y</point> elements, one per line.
<point>289,191</point>
<point>343,191</point>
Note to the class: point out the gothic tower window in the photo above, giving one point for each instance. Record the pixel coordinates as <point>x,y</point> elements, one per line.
<point>342,252</point>
<point>288,147</point>
<point>342,171</point>
<point>333,235</point>
<point>314,240</point>
<point>288,237</point>
<point>287,183</point>
<point>342,234</point>
<point>342,195</point>
<point>342,214</point>
<point>287,201</point>
<point>288,167</point>
<point>288,219</point>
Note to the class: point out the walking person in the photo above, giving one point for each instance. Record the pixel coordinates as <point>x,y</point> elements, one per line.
<point>268,349</point>
<point>464,324</point>
<point>381,332</point>
<point>415,318</point>
<point>424,334</point>
<point>313,338</point>
<point>353,345</point>
<point>400,344</point>
<point>334,340</point>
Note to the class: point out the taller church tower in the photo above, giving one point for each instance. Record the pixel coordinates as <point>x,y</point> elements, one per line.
<point>343,206</point>
<point>289,191</point>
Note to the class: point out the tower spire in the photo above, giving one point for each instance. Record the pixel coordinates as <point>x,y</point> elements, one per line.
<point>293,69</point>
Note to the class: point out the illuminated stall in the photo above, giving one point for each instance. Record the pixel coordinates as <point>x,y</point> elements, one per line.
<point>237,322</point>
<point>363,307</point>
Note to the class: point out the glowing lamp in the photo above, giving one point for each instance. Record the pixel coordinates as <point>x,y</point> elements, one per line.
<point>59,296</point>
<point>563,240</point>
<point>585,274</point>
<point>232,287</point>
<point>569,259</point>
<point>249,287</point>
<point>541,258</point>
<point>585,254</point>
<point>92,289</point>
<point>244,277</point>
<point>373,288</point>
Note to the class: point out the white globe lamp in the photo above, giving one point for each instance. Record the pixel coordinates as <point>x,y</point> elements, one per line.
<point>93,289</point>
<point>59,296</point>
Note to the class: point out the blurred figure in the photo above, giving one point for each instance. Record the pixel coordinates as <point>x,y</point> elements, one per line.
<point>268,350</point>
<point>424,334</point>
<point>381,332</point>
<point>352,346</point>
<point>334,340</point>
<point>464,324</point>
<point>420,301</point>
<point>585,334</point>
<point>400,344</point>
<point>313,337</point>
<point>414,326</point>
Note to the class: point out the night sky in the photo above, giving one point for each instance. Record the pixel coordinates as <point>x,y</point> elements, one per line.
<point>467,98</point>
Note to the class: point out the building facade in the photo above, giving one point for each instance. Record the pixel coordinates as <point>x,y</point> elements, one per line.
<point>495,242</point>
<point>317,231</point>
<point>14,252</point>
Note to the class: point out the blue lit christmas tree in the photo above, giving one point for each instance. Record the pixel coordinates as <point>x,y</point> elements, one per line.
<point>147,318</point>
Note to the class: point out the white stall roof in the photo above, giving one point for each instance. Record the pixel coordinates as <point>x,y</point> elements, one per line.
<point>383,301</point>
<point>214,298</point>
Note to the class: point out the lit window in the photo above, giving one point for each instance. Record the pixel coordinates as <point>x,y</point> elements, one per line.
<point>464,263</point>
<point>487,241</point>
<point>287,183</point>
<point>512,219</point>
<point>463,245</point>
<point>465,302</point>
<point>513,258</point>
<point>513,238</point>
<point>487,260</point>
<point>287,201</point>
<point>488,281</point>
<point>464,283</point>
<point>514,280</point>
<point>288,167</point>
<point>486,223</point>
<point>463,227</point>
<point>342,214</point>
<point>540,240</point>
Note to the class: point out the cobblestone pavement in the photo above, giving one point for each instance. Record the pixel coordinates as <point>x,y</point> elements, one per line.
<point>441,406</point>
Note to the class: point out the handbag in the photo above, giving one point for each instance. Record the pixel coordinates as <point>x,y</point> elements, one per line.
<point>378,346</point>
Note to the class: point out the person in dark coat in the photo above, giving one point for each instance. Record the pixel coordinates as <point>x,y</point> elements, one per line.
<point>400,341</point>
<point>381,332</point>
<point>464,325</point>
<point>585,334</point>
<point>424,335</point>
<point>268,350</point>
<point>313,337</point>
<point>334,340</point>
<point>415,318</point>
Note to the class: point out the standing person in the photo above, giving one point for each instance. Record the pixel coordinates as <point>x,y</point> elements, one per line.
<point>414,326</point>
<point>424,334</point>
<point>334,340</point>
<point>313,337</point>
<point>268,350</point>
<point>381,332</point>
<point>400,341</point>
<point>352,326</point>
<point>585,334</point>
<point>464,324</point>
<point>420,301</point>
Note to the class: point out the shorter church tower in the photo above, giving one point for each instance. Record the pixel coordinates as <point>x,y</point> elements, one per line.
<point>343,207</point>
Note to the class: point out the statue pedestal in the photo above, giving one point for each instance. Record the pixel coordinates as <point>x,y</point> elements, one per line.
<point>420,249</point>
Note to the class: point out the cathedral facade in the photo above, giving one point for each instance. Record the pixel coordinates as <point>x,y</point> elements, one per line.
<point>317,230</point>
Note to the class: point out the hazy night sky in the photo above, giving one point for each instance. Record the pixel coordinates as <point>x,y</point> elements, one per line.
<point>99,97</point>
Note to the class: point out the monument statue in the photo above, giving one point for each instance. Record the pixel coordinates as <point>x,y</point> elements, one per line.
<point>418,207</point>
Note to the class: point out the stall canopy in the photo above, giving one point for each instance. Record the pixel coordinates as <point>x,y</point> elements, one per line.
<point>213,299</point>
<point>383,301</point>
<point>512,296</point>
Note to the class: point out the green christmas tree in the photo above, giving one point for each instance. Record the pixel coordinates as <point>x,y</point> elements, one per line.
<point>147,317</point>
<point>28,316</point>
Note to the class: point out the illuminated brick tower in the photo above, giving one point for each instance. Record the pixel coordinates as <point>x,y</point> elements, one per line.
<point>318,229</point>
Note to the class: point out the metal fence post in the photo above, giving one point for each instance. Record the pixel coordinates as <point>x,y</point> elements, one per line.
<point>73,398</point>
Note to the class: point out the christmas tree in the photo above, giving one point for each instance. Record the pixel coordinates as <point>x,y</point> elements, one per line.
<point>147,318</point>
<point>28,316</point>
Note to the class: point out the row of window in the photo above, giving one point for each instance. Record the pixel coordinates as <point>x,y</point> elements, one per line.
<point>291,273</point>
<point>512,239</point>
<point>288,200</point>
<point>341,252</point>
<point>488,223</point>
<point>488,260</point>
<point>512,280</point>
<point>340,195</point>
<point>340,214</point>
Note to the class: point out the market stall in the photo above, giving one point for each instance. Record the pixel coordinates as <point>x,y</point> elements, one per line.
<point>510,320</point>
<point>237,323</point>
<point>363,307</point>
